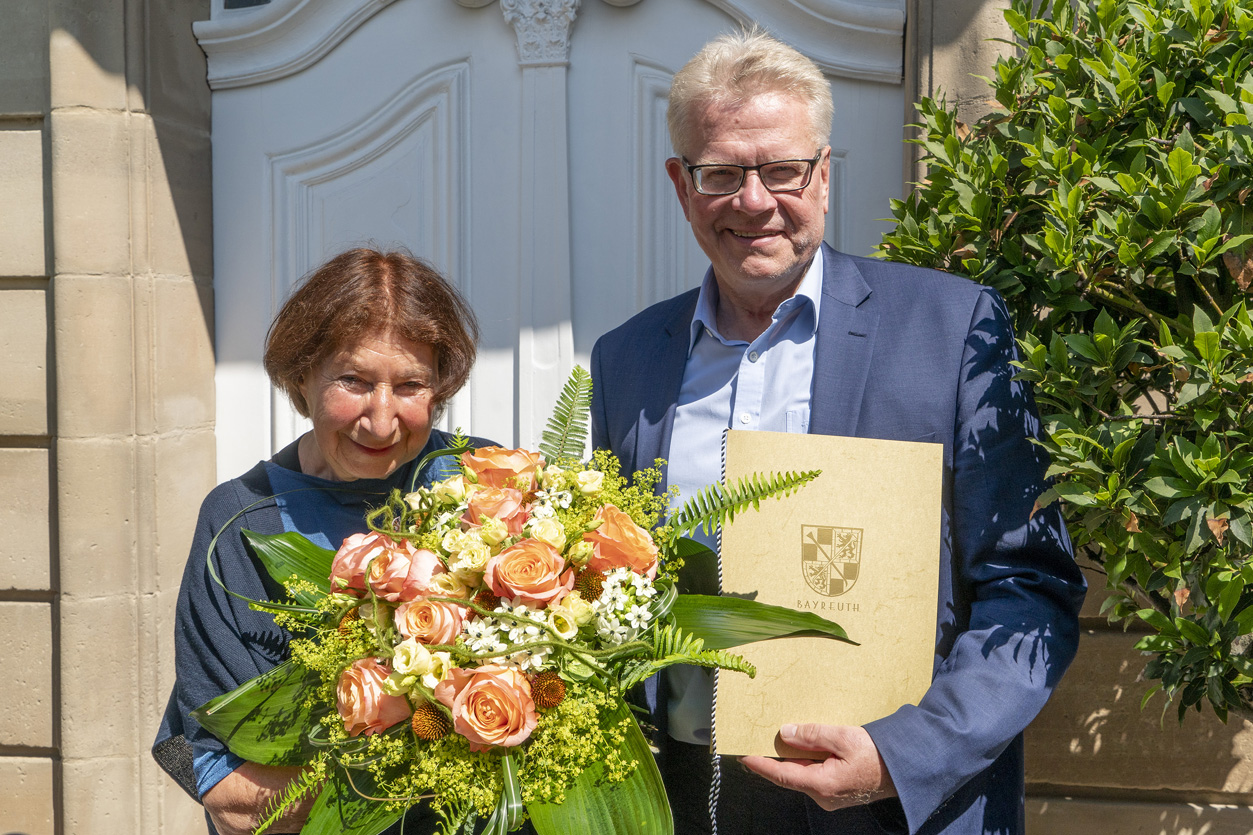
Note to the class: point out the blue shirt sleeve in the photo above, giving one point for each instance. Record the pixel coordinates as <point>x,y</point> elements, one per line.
<point>211,767</point>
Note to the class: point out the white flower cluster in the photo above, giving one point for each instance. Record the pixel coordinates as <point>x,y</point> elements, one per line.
<point>488,634</point>
<point>624,610</point>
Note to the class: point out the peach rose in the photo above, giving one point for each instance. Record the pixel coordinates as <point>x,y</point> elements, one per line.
<point>620,543</point>
<point>491,705</point>
<point>430,621</point>
<point>530,572</point>
<point>502,503</point>
<point>353,558</point>
<point>362,704</point>
<point>497,467</point>
<point>404,572</point>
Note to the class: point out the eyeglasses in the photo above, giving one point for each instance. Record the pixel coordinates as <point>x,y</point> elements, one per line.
<point>778,176</point>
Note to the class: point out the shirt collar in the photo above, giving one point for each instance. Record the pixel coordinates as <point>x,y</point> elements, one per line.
<point>808,296</point>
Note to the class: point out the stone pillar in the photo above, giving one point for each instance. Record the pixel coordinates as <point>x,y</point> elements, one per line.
<point>545,338</point>
<point>106,399</point>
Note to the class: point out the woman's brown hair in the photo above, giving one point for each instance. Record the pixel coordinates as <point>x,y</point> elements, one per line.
<point>362,293</point>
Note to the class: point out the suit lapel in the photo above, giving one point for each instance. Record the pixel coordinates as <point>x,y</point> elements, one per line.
<point>846,332</point>
<point>662,383</point>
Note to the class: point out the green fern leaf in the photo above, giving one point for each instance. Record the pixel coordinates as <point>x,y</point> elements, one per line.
<point>566,432</point>
<point>718,503</point>
<point>671,645</point>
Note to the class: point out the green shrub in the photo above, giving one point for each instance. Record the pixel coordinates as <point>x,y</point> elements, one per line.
<point>1109,201</point>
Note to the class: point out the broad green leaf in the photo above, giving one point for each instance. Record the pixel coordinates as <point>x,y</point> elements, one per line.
<point>263,720</point>
<point>1228,598</point>
<point>290,554</point>
<point>636,806</point>
<point>725,622</point>
<point>1193,631</point>
<point>342,808</point>
<point>1157,620</point>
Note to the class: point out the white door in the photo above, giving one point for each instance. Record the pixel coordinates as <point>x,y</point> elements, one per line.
<point>516,145</point>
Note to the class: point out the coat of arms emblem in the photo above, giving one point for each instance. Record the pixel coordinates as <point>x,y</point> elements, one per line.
<point>830,558</point>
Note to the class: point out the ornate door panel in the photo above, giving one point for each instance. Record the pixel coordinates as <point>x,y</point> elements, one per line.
<point>517,145</point>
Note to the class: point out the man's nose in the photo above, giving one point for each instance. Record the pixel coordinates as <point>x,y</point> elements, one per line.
<point>753,197</point>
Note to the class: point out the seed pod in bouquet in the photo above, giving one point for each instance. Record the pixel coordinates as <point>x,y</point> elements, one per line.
<point>547,689</point>
<point>430,723</point>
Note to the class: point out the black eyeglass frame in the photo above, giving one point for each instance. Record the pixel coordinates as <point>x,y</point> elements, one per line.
<point>744,169</point>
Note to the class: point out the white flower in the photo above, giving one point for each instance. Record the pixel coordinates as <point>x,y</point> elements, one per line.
<point>580,552</point>
<point>449,584</point>
<point>590,482</point>
<point>411,658</point>
<point>562,620</point>
<point>471,559</point>
<point>549,531</point>
<point>441,663</point>
<point>451,490</point>
<point>414,499</point>
<point>639,616</point>
<point>579,608</point>
<point>493,531</point>
<point>454,541</point>
<point>551,476</point>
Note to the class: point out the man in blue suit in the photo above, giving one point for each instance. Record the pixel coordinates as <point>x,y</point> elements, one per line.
<point>786,334</point>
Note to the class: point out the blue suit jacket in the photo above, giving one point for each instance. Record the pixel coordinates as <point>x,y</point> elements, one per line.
<point>915,355</point>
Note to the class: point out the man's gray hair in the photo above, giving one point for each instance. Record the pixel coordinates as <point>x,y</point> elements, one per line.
<point>733,68</point>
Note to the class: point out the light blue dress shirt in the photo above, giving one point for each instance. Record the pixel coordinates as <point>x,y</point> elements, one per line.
<point>733,384</point>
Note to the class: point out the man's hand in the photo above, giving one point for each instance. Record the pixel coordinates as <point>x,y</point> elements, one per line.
<point>852,772</point>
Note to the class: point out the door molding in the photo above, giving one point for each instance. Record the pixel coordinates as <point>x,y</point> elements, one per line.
<point>856,40</point>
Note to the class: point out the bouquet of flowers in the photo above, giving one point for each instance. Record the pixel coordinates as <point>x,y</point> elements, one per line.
<point>474,648</point>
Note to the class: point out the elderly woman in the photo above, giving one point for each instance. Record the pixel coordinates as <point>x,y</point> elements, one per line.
<point>369,348</point>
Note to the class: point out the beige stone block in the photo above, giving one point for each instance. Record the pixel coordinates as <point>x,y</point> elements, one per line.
<point>97,517</point>
<point>23,361</point>
<point>179,222</point>
<point>185,473</point>
<point>965,45</point>
<point>91,185</point>
<point>175,85</point>
<point>26,786</point>
<point>182,365</point>
<point>87,54</point>
<point>1069,816</point>
<point>100,680</point>
<point>22,209</point>
<point>101,796</point>
<point>1092,733</point>
<point>25,555</point>
<point>27,716</point>
<point>166,807</point>
<point>24,70</point>
<point>94,355</point>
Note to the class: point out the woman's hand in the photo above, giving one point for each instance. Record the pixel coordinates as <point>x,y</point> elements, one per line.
<point>238,802</point>
<point>852,772</point>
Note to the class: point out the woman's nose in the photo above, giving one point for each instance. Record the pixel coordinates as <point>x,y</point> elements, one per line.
<point>380,412</point>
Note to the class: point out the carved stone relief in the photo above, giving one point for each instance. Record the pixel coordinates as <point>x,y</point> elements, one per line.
<point>543,29</point>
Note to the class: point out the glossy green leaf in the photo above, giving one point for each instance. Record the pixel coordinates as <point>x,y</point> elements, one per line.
<point>344,807</point>
<point>290,554</point>
<point>636,806</point>
<point>725,622</point>
<point>263,719</point>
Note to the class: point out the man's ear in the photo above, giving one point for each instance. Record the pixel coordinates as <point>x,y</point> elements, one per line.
<point>682,185</point>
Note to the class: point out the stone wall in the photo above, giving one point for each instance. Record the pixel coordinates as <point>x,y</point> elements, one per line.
<point>106,399</point>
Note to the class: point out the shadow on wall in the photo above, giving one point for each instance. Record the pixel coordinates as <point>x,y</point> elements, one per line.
<point>153,48</point>
<point>1093,735</point>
